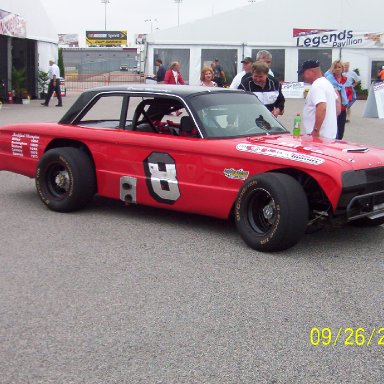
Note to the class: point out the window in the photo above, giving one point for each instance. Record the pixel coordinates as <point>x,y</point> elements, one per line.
<point>160,115</point>
<point>323,55</point>
<point>278,62</point>
<point>234,115</point>
<point>227,60</point>
<point>104,113</point>
<point>170,55</point>
<point>375,69</point>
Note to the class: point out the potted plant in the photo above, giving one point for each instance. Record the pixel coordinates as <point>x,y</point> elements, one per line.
<point>361,93</point>
<point>19,78</point>
<point>25,98</point>
<point>43,83</point>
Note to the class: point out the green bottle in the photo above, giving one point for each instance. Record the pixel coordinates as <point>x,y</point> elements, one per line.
<point>297,125</point>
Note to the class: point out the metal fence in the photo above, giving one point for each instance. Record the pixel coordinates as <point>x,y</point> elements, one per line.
<point>80,82</point>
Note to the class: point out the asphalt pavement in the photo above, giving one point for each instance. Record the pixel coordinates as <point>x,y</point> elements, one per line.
<point>115,294</point>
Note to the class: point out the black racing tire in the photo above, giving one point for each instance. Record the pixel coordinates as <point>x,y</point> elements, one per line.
<point>65,179</point>
<point>271,212</point>
<point>367,222</point>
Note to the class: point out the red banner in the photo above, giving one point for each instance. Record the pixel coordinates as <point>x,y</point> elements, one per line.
<point>12,24</point>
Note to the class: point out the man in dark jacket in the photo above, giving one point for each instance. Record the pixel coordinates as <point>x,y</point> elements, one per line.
<point>266,88</point>
<point>218,73</point>
<point>160,74</point>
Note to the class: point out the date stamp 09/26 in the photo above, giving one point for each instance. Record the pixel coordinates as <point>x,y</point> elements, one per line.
<point>347,336</point>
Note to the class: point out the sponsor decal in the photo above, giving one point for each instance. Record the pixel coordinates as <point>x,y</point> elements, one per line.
<point>295,145</point>
<point>236,174</point>
<point>24,144</point>
<point>280,153</point>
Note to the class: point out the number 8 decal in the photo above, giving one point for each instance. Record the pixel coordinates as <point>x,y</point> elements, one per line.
<point>160,172</point>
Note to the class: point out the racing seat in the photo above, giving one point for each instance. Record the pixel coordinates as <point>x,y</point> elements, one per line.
<point>187,127</point>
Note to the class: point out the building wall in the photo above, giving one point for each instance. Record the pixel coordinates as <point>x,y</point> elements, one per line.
<point>46,51</point>
<point>32,49</point>
<point>270,24</point>
<point>99,60</point>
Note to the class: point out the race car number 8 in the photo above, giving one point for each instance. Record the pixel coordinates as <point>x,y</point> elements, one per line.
<point>160,172</point>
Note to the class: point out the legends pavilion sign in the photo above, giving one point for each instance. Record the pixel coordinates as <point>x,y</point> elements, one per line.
<point>333,38</point>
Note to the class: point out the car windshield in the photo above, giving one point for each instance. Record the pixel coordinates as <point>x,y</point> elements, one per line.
<point>230,114</point>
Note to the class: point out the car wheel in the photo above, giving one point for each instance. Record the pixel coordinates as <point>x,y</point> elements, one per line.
<point>367,222</point>
<point>271,212</point>
<point>65,179</point>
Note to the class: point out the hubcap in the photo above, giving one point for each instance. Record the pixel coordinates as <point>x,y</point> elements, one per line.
<point>62,180</point>
<point>261,211</point>
<point>58,181</point>
<point>269,211</point>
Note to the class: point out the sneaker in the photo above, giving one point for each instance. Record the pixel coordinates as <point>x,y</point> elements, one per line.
<point>59,105</point>
<point>45,105</point>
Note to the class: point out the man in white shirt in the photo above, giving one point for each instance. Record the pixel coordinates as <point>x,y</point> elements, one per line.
<point>247,66</point>
<point>356,80</point>
<point>349,73</point>
<point>321,104</point>
<point>54,84</point>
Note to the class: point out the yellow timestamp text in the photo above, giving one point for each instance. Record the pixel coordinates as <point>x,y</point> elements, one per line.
<point>347,336</point>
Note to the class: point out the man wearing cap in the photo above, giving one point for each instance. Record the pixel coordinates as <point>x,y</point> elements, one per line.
<point>247,65</point>
<point>321,104</point>
<point>54,84</point>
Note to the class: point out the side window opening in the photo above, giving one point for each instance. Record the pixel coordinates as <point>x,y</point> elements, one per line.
<point>162,115</point>
<point>106,112</point>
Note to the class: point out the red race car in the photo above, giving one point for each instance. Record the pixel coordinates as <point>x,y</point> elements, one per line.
<point>215,152</point>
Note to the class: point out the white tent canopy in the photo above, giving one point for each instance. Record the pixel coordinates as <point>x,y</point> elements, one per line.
<point>38,25</point>
<point>269,24</point>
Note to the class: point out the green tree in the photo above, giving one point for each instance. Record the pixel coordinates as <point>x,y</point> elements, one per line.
<point>60,63</point>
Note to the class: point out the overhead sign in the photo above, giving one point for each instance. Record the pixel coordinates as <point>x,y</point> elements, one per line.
<point>334,38</point>
<point>12,24</point>
<point>68,40</point>
<point>140,38</point>
<point>106,38</point>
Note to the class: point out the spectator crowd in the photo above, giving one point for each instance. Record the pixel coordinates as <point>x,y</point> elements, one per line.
<point>327,106</point>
